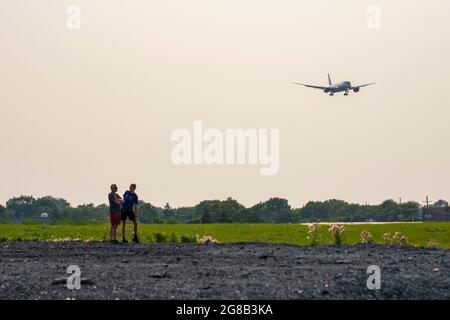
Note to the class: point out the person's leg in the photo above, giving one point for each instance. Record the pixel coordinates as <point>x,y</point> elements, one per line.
<point>123,216</point>
<point>135,227</point>
<point>111,220</point>
<point>135,237</point>
<point>117,224</point>
<point>114,232</point>
<point>124,224</point>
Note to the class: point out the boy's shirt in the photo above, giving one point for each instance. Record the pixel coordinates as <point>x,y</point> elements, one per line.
<point>129,200</point>
<point>113,207</point>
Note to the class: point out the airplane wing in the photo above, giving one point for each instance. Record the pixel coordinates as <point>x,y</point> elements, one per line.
<point>309,86</point>
<point>364,85</point>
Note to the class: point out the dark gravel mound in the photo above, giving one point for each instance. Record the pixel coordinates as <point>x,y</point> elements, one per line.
<point>37,270</point>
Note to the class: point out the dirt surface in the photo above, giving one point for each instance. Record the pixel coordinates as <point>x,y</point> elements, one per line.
<point>37,270</point>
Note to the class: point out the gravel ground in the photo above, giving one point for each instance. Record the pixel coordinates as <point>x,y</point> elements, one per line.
<point>37,270</point>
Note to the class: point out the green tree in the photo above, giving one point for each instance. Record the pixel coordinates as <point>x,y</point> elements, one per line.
<point>269,209</point>
<point>285,216</point>
<point>22,206</point>
<point>441,203</point>
<point>206,217</point>
<point>52,202</point>
<point>147,212</point>
<point>224,217</point>
<point>167,211</point>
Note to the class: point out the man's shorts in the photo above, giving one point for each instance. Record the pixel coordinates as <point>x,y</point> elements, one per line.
<point>128,214</point>
<point>114,217</point>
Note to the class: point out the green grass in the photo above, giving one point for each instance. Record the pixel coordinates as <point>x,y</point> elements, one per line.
<point>418,233</point>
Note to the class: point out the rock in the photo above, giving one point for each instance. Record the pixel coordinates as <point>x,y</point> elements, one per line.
<point>160,275</point>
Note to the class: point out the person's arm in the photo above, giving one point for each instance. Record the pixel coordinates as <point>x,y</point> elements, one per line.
<point>118,200</point>
<point>136,206</point>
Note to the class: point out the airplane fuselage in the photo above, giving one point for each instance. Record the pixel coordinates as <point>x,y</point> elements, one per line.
<point>344,86</point>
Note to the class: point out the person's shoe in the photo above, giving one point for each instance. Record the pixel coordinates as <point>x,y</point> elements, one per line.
<point>114,241</point>
<point>135,239</point>
<point>124,240</point>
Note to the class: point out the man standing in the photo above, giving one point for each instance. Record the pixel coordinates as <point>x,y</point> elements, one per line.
<point>114,212</point>
<point>130,202</point>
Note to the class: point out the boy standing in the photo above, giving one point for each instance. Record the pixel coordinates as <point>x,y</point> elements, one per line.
<point>114,212</point>
<point>130,202</point>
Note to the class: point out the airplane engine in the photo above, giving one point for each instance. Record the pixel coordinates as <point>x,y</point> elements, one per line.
<point>355,89</point>
<point>326,90</point>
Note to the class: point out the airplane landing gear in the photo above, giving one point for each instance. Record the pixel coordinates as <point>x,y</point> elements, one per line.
<point>331,94</point>
<point>346,93</point>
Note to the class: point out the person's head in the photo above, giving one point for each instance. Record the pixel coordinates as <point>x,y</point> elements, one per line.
<point>132,187</point>
<point>114,188</point>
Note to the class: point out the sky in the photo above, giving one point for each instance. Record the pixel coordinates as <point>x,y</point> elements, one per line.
<point>83,108</point>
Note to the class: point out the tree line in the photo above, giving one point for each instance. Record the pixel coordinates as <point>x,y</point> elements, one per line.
<point>50,209</point>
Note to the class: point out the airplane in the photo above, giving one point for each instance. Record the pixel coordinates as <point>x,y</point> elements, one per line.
<point>344,86</point>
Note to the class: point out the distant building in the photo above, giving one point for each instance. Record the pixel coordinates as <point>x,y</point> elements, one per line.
<point>436,214</point>
<point>43,217</point>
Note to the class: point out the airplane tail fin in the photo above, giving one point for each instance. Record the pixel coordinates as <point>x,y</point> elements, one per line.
<point>329,80</point>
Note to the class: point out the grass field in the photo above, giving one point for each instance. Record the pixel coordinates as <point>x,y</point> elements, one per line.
<point>419,234</point>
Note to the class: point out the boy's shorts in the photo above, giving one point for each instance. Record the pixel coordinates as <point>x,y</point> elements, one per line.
<point>114,217</point>
<point>128,214</point>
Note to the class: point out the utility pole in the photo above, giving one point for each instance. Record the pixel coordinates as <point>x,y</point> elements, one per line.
<point>365,211</point>
<point>427,202</point>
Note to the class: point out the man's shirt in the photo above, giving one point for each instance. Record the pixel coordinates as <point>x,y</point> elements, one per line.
<point>129,200</point>
<point>113,207</point>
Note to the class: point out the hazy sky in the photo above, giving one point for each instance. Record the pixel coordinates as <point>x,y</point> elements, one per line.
<point>81,109</point>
